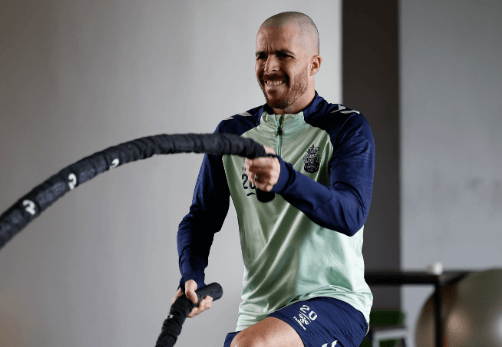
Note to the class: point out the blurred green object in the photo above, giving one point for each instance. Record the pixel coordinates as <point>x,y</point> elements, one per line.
<point>385,317</point>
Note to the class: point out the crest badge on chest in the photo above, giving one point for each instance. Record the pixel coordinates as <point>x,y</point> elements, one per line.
<point>311,159</point>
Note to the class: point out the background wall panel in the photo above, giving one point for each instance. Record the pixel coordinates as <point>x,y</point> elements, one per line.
<point>451,122</point>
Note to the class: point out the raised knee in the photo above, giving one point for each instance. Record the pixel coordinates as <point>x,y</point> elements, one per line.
<point>242,340</point>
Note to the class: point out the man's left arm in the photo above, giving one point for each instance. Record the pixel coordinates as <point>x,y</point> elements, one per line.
<point>344,204</point>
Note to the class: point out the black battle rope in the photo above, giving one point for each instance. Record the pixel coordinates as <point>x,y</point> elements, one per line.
<point>180,310</point>
<point>42,196</point>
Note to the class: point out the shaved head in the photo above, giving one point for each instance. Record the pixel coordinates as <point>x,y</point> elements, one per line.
<point>306,26</point>
<point>287,58</point>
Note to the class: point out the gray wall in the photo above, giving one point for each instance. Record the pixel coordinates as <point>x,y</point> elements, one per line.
<point>100,266</point>
<point>451,143</point>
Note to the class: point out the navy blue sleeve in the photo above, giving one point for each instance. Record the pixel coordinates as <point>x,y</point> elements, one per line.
<point>344,204</point>
<point>209,208</point>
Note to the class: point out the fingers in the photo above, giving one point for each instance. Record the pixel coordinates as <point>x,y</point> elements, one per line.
<point>269,150</point>
<point>267,169</point>
<point>204,304</point>
<point>190,288</point>
<point>177,295</point>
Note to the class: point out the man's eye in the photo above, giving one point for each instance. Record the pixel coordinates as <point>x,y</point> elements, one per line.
<point>283,55</point>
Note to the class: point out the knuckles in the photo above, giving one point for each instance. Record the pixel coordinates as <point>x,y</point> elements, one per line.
<point>204,305</point>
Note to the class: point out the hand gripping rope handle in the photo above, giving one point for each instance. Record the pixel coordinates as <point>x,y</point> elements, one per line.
<point>180,310</point>
<point>35,202</point>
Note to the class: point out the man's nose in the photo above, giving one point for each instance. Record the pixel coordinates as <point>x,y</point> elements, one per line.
<point>271,64</point>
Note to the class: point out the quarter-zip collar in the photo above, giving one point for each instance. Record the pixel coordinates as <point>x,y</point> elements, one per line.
<point>284,128</point>
<point>314,107</point>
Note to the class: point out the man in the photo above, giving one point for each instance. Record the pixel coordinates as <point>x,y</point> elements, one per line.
<point>304,271</point>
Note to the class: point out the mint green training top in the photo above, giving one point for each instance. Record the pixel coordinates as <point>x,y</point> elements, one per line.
<point>305,243</point>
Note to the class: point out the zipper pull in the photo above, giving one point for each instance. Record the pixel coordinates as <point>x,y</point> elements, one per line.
<point>279,130</point>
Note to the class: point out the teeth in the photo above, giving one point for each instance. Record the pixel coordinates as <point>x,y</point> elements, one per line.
<point>276,83</point>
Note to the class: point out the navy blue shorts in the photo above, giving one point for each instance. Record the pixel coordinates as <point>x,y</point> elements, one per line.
<point>320,322</point>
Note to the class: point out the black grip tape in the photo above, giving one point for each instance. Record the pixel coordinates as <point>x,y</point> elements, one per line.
<point>214,290</point>
<point>181,308</point>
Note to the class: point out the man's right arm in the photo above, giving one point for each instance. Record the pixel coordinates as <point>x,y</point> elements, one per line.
<point>209,208</point>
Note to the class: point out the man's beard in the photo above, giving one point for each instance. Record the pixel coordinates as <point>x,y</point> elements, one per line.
<point>300,86</point>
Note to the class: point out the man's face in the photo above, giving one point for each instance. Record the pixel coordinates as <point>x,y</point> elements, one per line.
<point>281,65</point>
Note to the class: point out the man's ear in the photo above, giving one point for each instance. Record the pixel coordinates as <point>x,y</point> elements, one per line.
<point>315,64</point>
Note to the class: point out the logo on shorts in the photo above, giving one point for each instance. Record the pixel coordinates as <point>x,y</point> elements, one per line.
<point>333,344</point>
<point>305,318</point>
<point>311,159</point>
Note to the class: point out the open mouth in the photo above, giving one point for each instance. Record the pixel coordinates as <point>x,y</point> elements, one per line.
<point>274,83</point>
